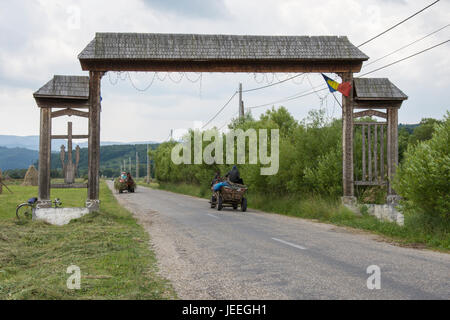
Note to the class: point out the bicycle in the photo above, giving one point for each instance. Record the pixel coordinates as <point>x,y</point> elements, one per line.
<point>24,211</point>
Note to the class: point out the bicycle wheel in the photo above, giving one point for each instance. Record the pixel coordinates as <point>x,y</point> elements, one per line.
<point>24,212</point>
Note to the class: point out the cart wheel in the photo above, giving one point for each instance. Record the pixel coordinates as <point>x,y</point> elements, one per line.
<point>235,206</point>
<point>213,202</point>
<point>220,203</point>
<point>120,191</point>
<point>244,205</point>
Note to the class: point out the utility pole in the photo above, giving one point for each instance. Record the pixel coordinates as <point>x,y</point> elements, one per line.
<point>137,165</point>
<point>148,165</point>
<point>171,134</point>
<point>241,103</point>
<point>129,165</point>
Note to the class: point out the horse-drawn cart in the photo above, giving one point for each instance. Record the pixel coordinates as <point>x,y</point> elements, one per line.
<point>227,194</point>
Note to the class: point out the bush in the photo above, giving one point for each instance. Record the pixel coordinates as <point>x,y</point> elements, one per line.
<point>423,180</point>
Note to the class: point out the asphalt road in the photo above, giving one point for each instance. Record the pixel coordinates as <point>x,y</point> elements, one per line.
<point>209,254</point>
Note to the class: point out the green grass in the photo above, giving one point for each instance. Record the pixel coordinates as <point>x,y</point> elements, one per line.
<point>417,232</point>
<point>110,248</point>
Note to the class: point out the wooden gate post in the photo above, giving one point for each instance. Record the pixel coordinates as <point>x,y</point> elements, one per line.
<point>392,151</point>
<point>347,143</point>
<point>93,202</point>
<point>45,140</point>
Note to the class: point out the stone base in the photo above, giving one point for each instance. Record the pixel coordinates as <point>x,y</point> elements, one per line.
<point>42,204</point>
<point>349,200</point>
<point>59,216</point>
<point>350,203</point>
<point>393,199</point>
<point>93,205</point>
<point>386,212</point>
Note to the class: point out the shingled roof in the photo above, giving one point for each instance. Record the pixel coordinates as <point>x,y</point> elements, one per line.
<point>377,89</point>
<point>70,87</point>
<point>157,46</point>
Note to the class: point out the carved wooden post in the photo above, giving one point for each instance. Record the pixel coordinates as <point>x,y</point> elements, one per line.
<point>347,142</point>
<point>45,139</point>
<point>392,150</point>
<point>93,202</point>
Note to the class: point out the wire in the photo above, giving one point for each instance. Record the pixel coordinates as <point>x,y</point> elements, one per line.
<point>139,89</point>
<point>413,55</point>
<point>226,104</point>
<point>220,128</point>
<point>404,20</point>
<point>272,84</point>
<point>405,46</point>
<point>307,93</point>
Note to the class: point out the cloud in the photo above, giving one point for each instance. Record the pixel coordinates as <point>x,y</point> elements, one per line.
<point>37,43</point>
<point>210,9</point>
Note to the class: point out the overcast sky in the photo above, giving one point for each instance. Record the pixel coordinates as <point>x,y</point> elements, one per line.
<point>40,38</point>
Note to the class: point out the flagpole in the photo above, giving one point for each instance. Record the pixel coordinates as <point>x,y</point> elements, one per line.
<point>336,100</point>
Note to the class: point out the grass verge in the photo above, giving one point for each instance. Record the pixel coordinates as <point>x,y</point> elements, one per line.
<point>110,248</point>
<point>415,233</point>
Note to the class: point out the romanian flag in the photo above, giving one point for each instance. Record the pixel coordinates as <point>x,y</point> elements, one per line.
<point>343,88</point>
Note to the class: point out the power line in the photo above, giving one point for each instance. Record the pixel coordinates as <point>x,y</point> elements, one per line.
<point>226,104</point>
<point>405,46</point>
<point>306,93</point>
<point>413,55</point>
<point>404,20</point>
<point>309,92</point>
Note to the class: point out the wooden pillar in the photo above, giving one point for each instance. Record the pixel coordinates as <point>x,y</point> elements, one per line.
<point>93,202</point>
<point>148,165</point>
<point>347,142</point>
<point>392,149</point>
<point>382,152</point>
<point>363,135</point>
<point>45,142</point>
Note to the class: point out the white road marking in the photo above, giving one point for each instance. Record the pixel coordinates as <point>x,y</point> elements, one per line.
<point>211,215</point>
<point>290,244</point>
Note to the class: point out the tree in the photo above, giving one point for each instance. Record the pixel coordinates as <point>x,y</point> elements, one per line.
<point>423,180</point>
<point>424,131</point>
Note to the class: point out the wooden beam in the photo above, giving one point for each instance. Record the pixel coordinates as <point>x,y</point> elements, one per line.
<point>365,123</point>
<point>270,66</point>
<point>62,103</point>
<point>70,186</point>
<point>75,137</point>
<point>70,112</point>
<point>369,113</point>
<point>372,104</point>
<point>370,183</point>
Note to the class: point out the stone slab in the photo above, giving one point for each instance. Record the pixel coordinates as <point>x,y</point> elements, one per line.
<point>59,216</point>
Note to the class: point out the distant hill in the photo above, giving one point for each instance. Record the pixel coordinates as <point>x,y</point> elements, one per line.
<point>32,142</point>
<point>17,158</point>
<point>409,127</point>
<point>111,158</point>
